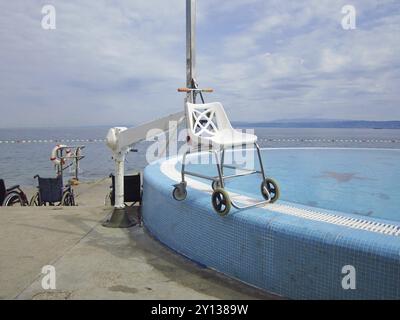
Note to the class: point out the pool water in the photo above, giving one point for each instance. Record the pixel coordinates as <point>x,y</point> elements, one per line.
<point>358,181</point>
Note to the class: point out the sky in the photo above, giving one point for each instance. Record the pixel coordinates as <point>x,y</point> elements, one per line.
<point>119,62</point>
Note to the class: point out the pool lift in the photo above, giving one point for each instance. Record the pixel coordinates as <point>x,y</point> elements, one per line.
<point>208,126</point>
<point>121,140</point>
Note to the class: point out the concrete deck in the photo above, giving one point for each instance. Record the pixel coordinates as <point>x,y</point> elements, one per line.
<point>93,262</point>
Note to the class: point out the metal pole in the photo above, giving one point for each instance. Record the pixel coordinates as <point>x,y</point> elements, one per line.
<point>190,47</point>
<point>60,168</point>
<point>77,154</point>
<point>119,182</point>
<point>119,217</point>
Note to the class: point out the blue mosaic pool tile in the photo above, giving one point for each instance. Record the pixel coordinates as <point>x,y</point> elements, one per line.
<point>287,255</point>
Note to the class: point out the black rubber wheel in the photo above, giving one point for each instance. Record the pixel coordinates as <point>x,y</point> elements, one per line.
<point>67,199</point>
<point>221,202</point>
<point>215,185</point>
<point>272,188</point>
<point>179,194</point>
<point>13,199</point>
<point>35,200</point>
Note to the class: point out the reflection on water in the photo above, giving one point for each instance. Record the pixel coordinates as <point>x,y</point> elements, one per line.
<point>341,176</point>
<point>367,214</point>
<point>383,196</point>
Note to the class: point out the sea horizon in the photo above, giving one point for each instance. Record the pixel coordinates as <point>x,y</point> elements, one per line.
<point>25,152</point>
<point>281,123</point>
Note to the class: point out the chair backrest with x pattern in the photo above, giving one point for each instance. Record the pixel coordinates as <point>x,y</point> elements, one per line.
<point>205,120</point>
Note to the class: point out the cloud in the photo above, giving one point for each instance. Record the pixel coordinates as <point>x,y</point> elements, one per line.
<point>105,62</point>
<point>303,42</point>
<point>120,62</point>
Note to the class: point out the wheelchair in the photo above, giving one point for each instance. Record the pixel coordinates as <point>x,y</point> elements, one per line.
<point>12,196</point>
<point>52,192</point>
<point>132,190</point>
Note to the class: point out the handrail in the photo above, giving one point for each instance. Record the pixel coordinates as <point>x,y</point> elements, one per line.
<point>208,90</point>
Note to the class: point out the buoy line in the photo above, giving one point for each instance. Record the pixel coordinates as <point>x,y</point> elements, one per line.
<point>25,141</point>
<point>327,140</point>
<point>320,140</point>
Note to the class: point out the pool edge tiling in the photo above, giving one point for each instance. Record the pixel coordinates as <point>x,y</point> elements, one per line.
<point>291,255</point>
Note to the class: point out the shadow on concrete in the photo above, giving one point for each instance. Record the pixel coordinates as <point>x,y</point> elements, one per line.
<point>174,267</point>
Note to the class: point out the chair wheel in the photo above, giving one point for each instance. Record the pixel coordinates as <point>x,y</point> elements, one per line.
<point>35,200</point>
<point>221,202</point>
<point>270,190</point>
<point>67,199</point>
<point>179,193</point>
<point>215,185</point>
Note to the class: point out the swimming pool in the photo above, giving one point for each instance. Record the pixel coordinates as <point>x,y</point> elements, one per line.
<point>338,208</point>
<point>357,181</point>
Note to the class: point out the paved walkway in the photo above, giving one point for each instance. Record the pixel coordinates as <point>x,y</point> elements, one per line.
<point>93,262</point>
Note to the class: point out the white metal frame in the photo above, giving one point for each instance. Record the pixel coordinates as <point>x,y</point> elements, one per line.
<point>204,133</point>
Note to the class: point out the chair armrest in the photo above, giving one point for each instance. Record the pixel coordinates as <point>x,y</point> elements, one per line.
<point>13,188</point>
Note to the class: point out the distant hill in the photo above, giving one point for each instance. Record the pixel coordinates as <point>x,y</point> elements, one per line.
<point>322,123</point>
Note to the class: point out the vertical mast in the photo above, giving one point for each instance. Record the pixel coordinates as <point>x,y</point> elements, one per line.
<point>190,46</point>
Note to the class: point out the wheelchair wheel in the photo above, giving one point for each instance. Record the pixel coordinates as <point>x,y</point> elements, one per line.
<point>215,185</point>
<point>68,199</point>
<point>272,187</point>
<point>13,199</point>
<point>35,200</point>
<point>179,193</point>
<point>107,200</point>
<point>221,202</point>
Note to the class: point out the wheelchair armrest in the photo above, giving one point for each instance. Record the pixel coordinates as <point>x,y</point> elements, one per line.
<point>13,188</point>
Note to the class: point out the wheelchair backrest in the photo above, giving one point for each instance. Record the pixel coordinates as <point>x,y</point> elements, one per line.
<point>51,189</point>
<point>132,188</point>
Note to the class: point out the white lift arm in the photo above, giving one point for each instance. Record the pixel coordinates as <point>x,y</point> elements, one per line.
<point>120,139</point>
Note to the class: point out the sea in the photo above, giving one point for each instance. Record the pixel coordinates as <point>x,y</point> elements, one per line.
<point>25,152</point>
